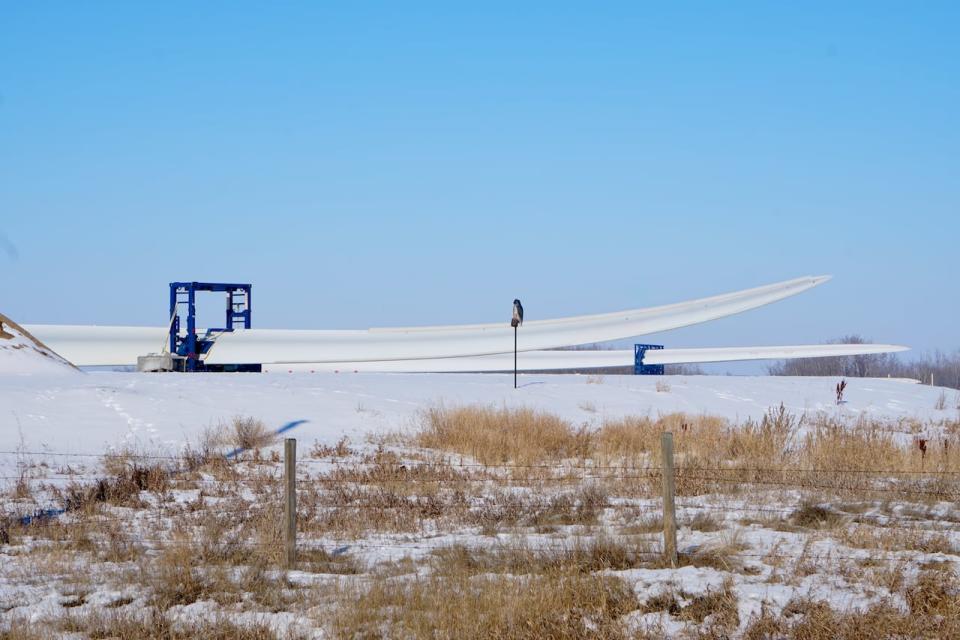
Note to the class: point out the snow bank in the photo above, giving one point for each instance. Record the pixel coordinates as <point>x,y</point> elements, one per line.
<point>22,354</point>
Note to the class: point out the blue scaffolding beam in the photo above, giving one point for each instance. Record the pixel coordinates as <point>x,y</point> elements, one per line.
<point>641,369</point>
<point>189,345</point>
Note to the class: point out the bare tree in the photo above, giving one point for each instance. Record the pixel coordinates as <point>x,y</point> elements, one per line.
<point>845,366</point>
<point>945,368</point>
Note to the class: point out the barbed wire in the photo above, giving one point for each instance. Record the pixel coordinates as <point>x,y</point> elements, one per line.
<point>343,549</point>
<point>206,458</point>
<point>260,483</point>
<point>256,511</point>
<point>91,483</point>
<point>839,487</point>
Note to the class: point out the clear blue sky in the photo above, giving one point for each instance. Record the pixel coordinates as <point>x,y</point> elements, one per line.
<point>392,164</point>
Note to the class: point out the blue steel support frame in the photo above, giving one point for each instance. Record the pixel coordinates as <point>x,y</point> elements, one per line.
<point>641,369</point>
<point>189,346</point>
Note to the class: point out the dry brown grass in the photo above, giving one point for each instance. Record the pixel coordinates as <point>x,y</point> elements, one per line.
<point>523,436</point>
<point>381,493</point>
<point>814,516</point>
<point>779,450</point>
<point>897,539</point>
<point>935,593</point>
<point>100,539</point>
<point>587,406</point>
<point>638,520</point>
<point>720,554</point>
<point>467,606</point>
<point>580,556</point>
<point>703,522</point>
<point>388,469</point>
<point>144,624</point>
<point>505,509</point>
<point>934,605</point>
<point>158,626</point>
<point>121,488</point>
<point>24,630</point>
<point>318,560</point>
<point>340,450</point>
<point>583,555</point>
<point>223,545</point>
<point>249,434</point>
<point>379,501</point>
<point>718,605</point>
<point>179,575</point>
<point>176,577</point>
<point>697,439</point>
<point>354,513</point>
<point>494,436</point>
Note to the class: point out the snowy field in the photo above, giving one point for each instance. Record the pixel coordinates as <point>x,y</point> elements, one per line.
<point>98,412</point>
<point>400,534</point>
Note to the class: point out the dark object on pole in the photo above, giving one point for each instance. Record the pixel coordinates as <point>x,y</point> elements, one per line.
<point>517,319</point>
<point>515,322</point>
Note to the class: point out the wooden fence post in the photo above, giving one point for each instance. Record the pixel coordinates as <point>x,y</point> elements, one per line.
<point>669,509</point>
<point>290,502</point>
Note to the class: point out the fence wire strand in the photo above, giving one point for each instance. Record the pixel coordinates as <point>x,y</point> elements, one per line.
<point>250,480</point>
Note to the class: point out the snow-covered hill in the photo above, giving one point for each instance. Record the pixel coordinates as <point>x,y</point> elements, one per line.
<point>22,354</point>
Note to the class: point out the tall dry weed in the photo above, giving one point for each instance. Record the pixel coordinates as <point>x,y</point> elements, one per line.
<point>494,436</point>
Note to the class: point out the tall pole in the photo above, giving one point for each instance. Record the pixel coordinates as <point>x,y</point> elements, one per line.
<point>515,322</point>
<point>514,356</point>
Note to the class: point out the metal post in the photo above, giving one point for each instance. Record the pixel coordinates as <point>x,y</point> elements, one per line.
<point>248,320</point>
<point>173,312</point>
<point>290,503</point>
<point>669,510</point>
<point>514,357</point>
<point>191,328</point>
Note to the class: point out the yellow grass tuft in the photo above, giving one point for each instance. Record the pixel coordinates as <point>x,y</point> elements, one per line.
<point>495,436</point>
<point>466,606</point>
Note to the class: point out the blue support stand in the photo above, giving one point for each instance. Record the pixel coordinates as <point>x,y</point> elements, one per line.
<point>641,369</point>
<point>190,346</point>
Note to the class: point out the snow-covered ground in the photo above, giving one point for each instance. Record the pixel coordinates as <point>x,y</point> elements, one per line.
<point>94,412</point>
<point>879,546</point>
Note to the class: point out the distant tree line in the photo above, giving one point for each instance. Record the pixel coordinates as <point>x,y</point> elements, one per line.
<point>945,367</point>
